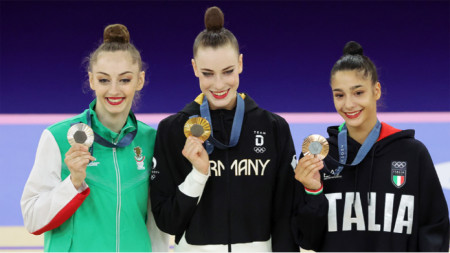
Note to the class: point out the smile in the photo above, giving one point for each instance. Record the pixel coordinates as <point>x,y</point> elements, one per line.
<point>353,115</point>
<point>115,101</point>
<point>220,94</point>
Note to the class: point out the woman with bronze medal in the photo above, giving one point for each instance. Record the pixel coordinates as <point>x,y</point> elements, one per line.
<point>229,185</point>
<point>377,190</point>
<point>88,189</point>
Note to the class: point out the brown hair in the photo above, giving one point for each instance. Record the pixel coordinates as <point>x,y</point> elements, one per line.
<point>115,38</point>
<point>215,35</point>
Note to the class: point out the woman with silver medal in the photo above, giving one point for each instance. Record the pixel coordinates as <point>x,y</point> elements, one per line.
<point>88,188</point>
<point>377,190</point>
<point>229,185</point>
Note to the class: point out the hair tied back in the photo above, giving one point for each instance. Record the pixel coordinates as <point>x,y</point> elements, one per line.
<point>214,19</point>
<point>116,33</point>
<point>353,48</point>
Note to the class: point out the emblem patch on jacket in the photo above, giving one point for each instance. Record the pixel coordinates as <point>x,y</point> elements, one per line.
<point>259,142</point>
<point>139,158</point>
<point>398,173</point>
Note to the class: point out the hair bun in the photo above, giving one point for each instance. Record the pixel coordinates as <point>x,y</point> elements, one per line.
<point>353,48</point>
<point>214,19</point>
<point>116,33</point>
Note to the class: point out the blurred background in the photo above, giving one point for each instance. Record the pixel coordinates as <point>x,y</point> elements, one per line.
<point>289,48</point>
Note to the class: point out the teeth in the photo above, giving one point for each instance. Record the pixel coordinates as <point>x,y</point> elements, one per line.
<point>352,113</point>
<point>115,100</point>
<point>220,93</point>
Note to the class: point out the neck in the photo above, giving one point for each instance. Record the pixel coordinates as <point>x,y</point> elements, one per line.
<point>360,133</point>
<point>113,122</point>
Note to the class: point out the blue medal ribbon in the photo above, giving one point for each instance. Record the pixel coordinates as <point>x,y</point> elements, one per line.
<point>362,152</point>
<point>235,129</point>
<point>125,141</point>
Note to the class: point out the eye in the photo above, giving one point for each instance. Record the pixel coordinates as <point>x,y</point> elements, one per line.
<point>207,74</point>
<point>359,93</point>
<point>228,72</point>
<point>338,95</point>
<point>125,80</point>
<point>103,80</point>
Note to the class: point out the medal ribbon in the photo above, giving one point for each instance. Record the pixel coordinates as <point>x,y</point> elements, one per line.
<point>125,141</point>
<point>362,152</point>
<point>235,129</point>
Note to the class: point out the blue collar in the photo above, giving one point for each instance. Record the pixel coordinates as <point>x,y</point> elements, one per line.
<point>362,152</point>
<point>235,130</point>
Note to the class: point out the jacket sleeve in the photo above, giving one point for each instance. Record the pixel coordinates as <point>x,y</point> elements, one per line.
<point>310,218</point>
<point>433,218</point>
<point>159,239</point>
<point>282,238</point>
<point>47,202</point>
<point>175,186</point>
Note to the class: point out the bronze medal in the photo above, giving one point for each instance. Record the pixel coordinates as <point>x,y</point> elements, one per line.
<point>198,127</point>
<point>316,145</point>
<point>80,133</point>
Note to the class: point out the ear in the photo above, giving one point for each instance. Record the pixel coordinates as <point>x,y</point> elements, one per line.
<point>377,91</point>
<point>91,80</point>
<point>141,80</point>
<point>241,63</point>
<point>194,66</point>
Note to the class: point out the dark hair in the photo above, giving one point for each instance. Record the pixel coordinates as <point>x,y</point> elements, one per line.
<point>116,38</point>
<point>354,59</point>
<point>215,35</point>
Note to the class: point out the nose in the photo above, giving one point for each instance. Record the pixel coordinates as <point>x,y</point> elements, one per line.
<point>349,103</point>
<point>219,83</point>
<point>114,88</point>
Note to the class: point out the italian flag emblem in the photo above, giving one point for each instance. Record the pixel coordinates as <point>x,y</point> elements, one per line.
<point>398,173</point>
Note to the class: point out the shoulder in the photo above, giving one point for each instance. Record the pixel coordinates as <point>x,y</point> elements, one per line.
<point>174,120</point>
<point>263,114</point>
<point>145,129</point>
<point>61,128</point>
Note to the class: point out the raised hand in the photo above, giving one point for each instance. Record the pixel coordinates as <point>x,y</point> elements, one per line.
<point>307,172</point>
<point>196,154</point>
<point>77,159</point>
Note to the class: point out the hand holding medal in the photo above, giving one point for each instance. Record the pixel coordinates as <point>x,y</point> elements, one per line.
<point>80,137</point>
<point>314,148</point>
<point>197,130</point>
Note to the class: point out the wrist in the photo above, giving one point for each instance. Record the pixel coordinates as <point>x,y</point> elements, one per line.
<point>316,191</point>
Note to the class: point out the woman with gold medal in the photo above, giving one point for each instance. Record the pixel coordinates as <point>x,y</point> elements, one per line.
<point>229,185</point>
<point>377,190</point>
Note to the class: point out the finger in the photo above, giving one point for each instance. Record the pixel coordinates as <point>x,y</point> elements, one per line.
<point>309,167</point>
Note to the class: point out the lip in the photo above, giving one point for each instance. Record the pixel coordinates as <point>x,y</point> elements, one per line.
<point>353,116</point>
<point>121,99</point>
<point>221,96</point>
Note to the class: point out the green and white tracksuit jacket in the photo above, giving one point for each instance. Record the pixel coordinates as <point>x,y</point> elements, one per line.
<point>111,210</point>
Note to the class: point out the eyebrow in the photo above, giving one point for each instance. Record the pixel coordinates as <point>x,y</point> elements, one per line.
<point>205,69</point>
<point>351,88</point>
<point>106,74</point>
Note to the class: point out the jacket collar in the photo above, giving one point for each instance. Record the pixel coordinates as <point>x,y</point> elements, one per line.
<point>99,128</point>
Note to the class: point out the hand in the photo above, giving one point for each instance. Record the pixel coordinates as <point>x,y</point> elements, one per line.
<point>196,154</point>
<point>307,172</point>
<point>77,159</point>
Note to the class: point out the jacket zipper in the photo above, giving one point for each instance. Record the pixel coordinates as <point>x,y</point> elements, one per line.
<point>228,181</point>
<point>116,167</point>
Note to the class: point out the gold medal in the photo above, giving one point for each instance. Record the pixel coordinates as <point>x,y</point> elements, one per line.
<point>80,133</point>
<point>198,127</point>
<point>315,145</point>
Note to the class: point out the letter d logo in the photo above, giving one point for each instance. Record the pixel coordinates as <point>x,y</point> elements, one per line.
<point>259,140</point>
